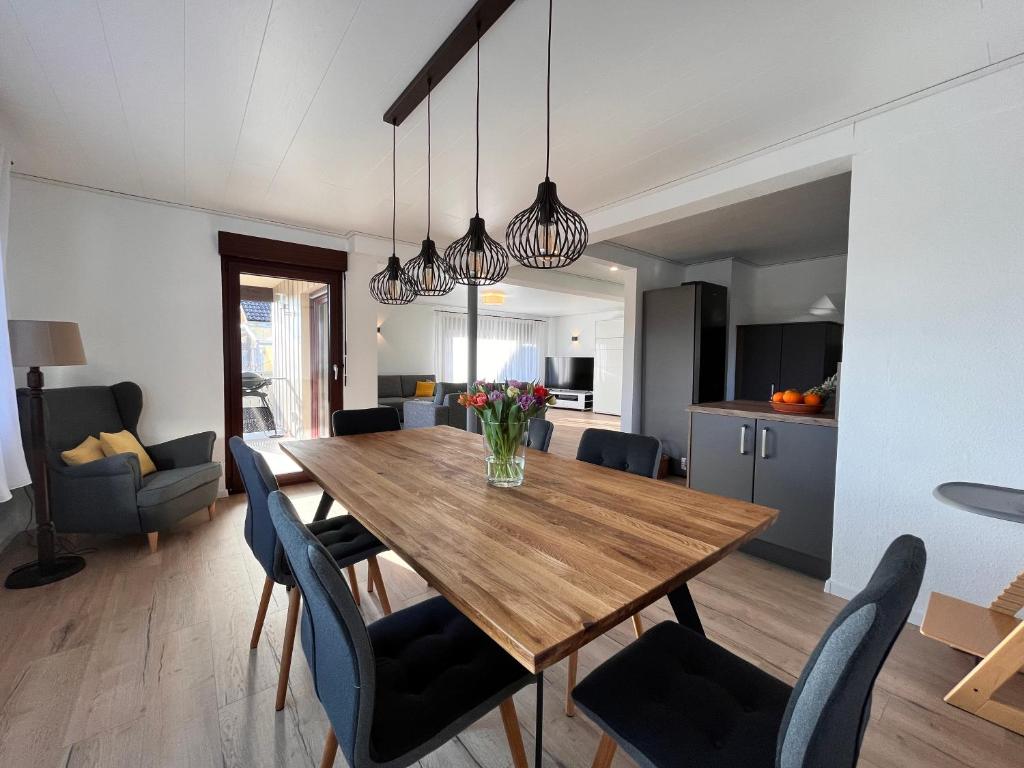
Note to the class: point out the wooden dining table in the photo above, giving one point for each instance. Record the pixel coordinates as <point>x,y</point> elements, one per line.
<point>543,568</point>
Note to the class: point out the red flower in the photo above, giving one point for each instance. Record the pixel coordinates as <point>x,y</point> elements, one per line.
<point>479,400</point>
<point>540,391</point>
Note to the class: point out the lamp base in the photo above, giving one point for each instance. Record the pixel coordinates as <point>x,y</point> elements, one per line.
<point>38,574</point>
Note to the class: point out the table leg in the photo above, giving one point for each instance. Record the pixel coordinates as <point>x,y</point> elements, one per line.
<point>323,507</point>
<point>685,609</point>
<point>538,733</point>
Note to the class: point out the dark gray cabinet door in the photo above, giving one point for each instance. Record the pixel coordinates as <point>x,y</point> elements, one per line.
<point>795,472</point>
<point>758,357</point>
<point>668,347</point>
<point>722,455</point>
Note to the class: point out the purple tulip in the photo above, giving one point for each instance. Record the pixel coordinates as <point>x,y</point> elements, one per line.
<point>526,401</point>
<point>496,395</point>
<point>516,384</point>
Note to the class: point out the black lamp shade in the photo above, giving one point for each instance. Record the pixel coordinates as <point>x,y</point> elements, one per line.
<point>476,258</point>
<point>547,235</point>
<point>392,285</point>
<point>428,272</point>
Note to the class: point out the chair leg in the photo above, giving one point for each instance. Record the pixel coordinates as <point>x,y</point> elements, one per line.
<point>638,625</point>
<point>605,752</point>
<point>330,749</point>
<point>369,581</point>
<point>512,732</point>
<point>211,509</point>
<point>289,644</point>
<point>353,583</point>
<point>570,705</point>
<point>153,541</point>
<point>382,593</point>
<point>261,612</point>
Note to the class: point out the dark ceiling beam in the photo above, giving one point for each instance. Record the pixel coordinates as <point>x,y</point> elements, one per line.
<point>456,45</point>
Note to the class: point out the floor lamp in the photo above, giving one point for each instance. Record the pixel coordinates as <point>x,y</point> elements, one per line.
<point>34,344</point>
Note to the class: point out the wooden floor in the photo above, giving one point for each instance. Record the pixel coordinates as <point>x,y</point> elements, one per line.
<point>143,660</point>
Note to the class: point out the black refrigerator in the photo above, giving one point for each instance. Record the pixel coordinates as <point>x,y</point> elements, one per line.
<point>685,336</point>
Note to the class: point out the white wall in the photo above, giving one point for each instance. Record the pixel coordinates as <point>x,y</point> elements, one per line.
<point>562,329</point>
<point>933,359</point>
<point>143,281</point>
<point>406,340</point>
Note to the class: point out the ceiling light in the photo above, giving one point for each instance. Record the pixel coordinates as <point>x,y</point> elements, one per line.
<point>494,298</point>
<point>476,258</point>
<point>613,269</point>
<point>426,270</point>
<point>392,285</point>
<point>547,235</point>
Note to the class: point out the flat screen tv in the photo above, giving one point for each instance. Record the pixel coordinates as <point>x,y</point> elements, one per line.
<point>569,373</point>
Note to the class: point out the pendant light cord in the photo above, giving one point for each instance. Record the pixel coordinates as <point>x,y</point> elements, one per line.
<point>547,159</point>
<point>478,118</point>
<point>428,159</point>
<point>394,185</point>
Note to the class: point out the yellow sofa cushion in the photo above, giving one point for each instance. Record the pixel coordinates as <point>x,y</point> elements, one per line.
<point>125,442</point>
<point>86,451</point>
<point>425,388</point>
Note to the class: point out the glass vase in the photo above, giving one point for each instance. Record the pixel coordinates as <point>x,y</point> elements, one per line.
<point>505,444</point>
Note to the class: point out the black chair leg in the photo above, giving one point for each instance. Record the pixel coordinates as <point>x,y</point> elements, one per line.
<point>323,508</point>
<point>685,609</point>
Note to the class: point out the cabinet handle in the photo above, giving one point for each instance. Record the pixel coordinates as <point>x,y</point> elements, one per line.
<point>772,393</point>
<point>743,440</point>
<point>764,442</point>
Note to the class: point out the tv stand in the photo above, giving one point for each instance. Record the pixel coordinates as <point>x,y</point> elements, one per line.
<point>574,399</point>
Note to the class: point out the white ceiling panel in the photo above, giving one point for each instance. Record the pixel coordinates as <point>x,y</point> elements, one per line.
<point>272,108</point>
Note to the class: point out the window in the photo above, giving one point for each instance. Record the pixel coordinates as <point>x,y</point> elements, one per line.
<point>507,347</point>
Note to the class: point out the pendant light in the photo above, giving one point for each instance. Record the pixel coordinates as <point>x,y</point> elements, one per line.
<point>426,270</point>
<point>547,235</point>
<point>392,285</point>
<point>476,258</point>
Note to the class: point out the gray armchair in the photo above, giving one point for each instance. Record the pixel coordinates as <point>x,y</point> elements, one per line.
<point>444,409</point>
<point>111,495</point>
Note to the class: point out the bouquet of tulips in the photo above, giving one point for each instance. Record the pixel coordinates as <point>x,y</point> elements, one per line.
<point>505,411</point>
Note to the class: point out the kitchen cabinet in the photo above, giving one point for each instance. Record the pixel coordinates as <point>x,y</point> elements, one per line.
<point>747,453</point>
<point>685,334</point>
<point>777,356</point>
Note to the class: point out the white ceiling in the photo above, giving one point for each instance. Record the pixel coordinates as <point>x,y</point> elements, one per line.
<point>801,222</point>
<point>272,108</point>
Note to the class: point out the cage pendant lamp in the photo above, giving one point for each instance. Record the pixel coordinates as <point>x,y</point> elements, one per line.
<point>476,258</point>
<point>392,285</point>
<point>426,270</point>
<point>547,235</point>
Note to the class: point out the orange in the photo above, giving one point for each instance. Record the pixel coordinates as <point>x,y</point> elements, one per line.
<point>812,399</point>
<point>792,396</point>
<point>777,397</point>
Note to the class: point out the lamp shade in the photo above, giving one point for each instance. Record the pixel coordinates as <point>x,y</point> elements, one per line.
<point>38,343</point>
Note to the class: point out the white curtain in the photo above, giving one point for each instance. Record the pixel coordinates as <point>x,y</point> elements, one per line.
<point>507,347</point>
<point>13,469</point>
<point>288,378</point>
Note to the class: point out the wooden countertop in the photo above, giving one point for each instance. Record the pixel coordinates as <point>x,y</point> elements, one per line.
<point>761,410</point>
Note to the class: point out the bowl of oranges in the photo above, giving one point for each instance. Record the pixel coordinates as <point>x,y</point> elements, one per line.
<point>794,401</point>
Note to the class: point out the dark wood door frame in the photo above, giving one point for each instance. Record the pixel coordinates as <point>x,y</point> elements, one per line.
<point>244,254</point>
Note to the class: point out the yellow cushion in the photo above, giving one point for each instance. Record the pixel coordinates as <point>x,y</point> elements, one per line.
<point>125,442</point>
<point>86,451</point>
<point>425,389</point>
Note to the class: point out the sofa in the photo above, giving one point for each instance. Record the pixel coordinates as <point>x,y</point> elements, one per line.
<point>111,495</point>
<point>443,410</point>
<point>395,390</point>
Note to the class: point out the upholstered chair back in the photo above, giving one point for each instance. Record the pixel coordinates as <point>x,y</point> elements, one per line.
<point>539,437</point>
<point>75,413</point>
<point>830,706</point>
<point>638,454</point>
<point>259,482</point>
<point>334,637</point>
<point>363,420</point>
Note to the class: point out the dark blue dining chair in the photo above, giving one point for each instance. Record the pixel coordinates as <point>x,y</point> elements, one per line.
<point>539,435</point>
<point>347,541</point>
<point>401,687</point>
<point>358,421</point>
<point>626,452</point>
<point>675,698</point>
